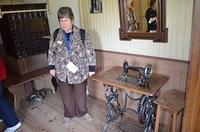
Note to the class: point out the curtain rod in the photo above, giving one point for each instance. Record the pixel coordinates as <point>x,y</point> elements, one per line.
<point>20,11</point>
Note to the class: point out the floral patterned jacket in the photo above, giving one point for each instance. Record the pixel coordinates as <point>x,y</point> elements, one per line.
<point>82,55</point>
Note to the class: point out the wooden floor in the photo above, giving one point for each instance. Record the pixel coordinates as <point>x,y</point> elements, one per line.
<point>47,116</point>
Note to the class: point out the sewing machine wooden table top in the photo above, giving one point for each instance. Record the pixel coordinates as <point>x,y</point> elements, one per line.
<point>112,77</point>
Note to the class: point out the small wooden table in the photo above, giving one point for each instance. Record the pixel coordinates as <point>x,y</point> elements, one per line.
<point>15,83</point>
<point>113,80</point>
<point>173,102</point>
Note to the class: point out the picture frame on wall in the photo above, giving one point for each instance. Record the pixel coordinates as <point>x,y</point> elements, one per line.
<point>96,6</point>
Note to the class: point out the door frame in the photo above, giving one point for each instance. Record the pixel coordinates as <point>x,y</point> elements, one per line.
<point>191,116</point>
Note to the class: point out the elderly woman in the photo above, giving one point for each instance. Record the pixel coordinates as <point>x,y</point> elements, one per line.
<point>71,61</point>
<point>6,112</point>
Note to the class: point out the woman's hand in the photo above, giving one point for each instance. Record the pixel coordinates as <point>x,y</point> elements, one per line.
<point>53,72</point>
<point>91,74</point>
<point>152,20</point>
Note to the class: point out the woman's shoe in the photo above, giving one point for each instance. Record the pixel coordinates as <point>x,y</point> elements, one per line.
<point>14,128</point>
<point>87,117</point>
<point>67,121</point>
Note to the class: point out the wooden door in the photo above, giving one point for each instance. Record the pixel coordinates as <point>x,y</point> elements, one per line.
<point>191,117</point>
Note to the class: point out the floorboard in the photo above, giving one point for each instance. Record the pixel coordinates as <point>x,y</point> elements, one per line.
<point>47,116</point>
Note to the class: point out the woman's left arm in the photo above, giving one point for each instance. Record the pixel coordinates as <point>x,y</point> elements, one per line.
<point>91,55</point>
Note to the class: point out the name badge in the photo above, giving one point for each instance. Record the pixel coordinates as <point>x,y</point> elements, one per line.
<point>59,42</point>
<point>71,67</point>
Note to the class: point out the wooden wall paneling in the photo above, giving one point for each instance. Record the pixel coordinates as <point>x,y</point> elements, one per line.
<point>44,82</point>
<point>177,70</point>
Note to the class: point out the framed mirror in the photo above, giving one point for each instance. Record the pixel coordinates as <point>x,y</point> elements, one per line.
<point>143,19</point>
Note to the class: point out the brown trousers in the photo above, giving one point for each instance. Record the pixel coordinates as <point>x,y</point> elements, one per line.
<point>74,99</point>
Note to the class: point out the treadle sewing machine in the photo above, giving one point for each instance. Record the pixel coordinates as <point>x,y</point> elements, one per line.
<point>138,80</point>
<point>144,73</point>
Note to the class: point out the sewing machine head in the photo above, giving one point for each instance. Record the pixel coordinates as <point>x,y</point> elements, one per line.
<point>144,73</point>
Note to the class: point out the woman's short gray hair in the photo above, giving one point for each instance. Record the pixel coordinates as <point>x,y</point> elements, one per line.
<point>65,12</point>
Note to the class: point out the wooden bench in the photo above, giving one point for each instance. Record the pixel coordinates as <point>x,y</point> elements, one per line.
<point>16,83</point>
<point>173,102</point>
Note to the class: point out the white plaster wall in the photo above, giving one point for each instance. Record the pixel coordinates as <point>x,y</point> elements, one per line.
<point>104,30</point>
<point>55,5</point>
